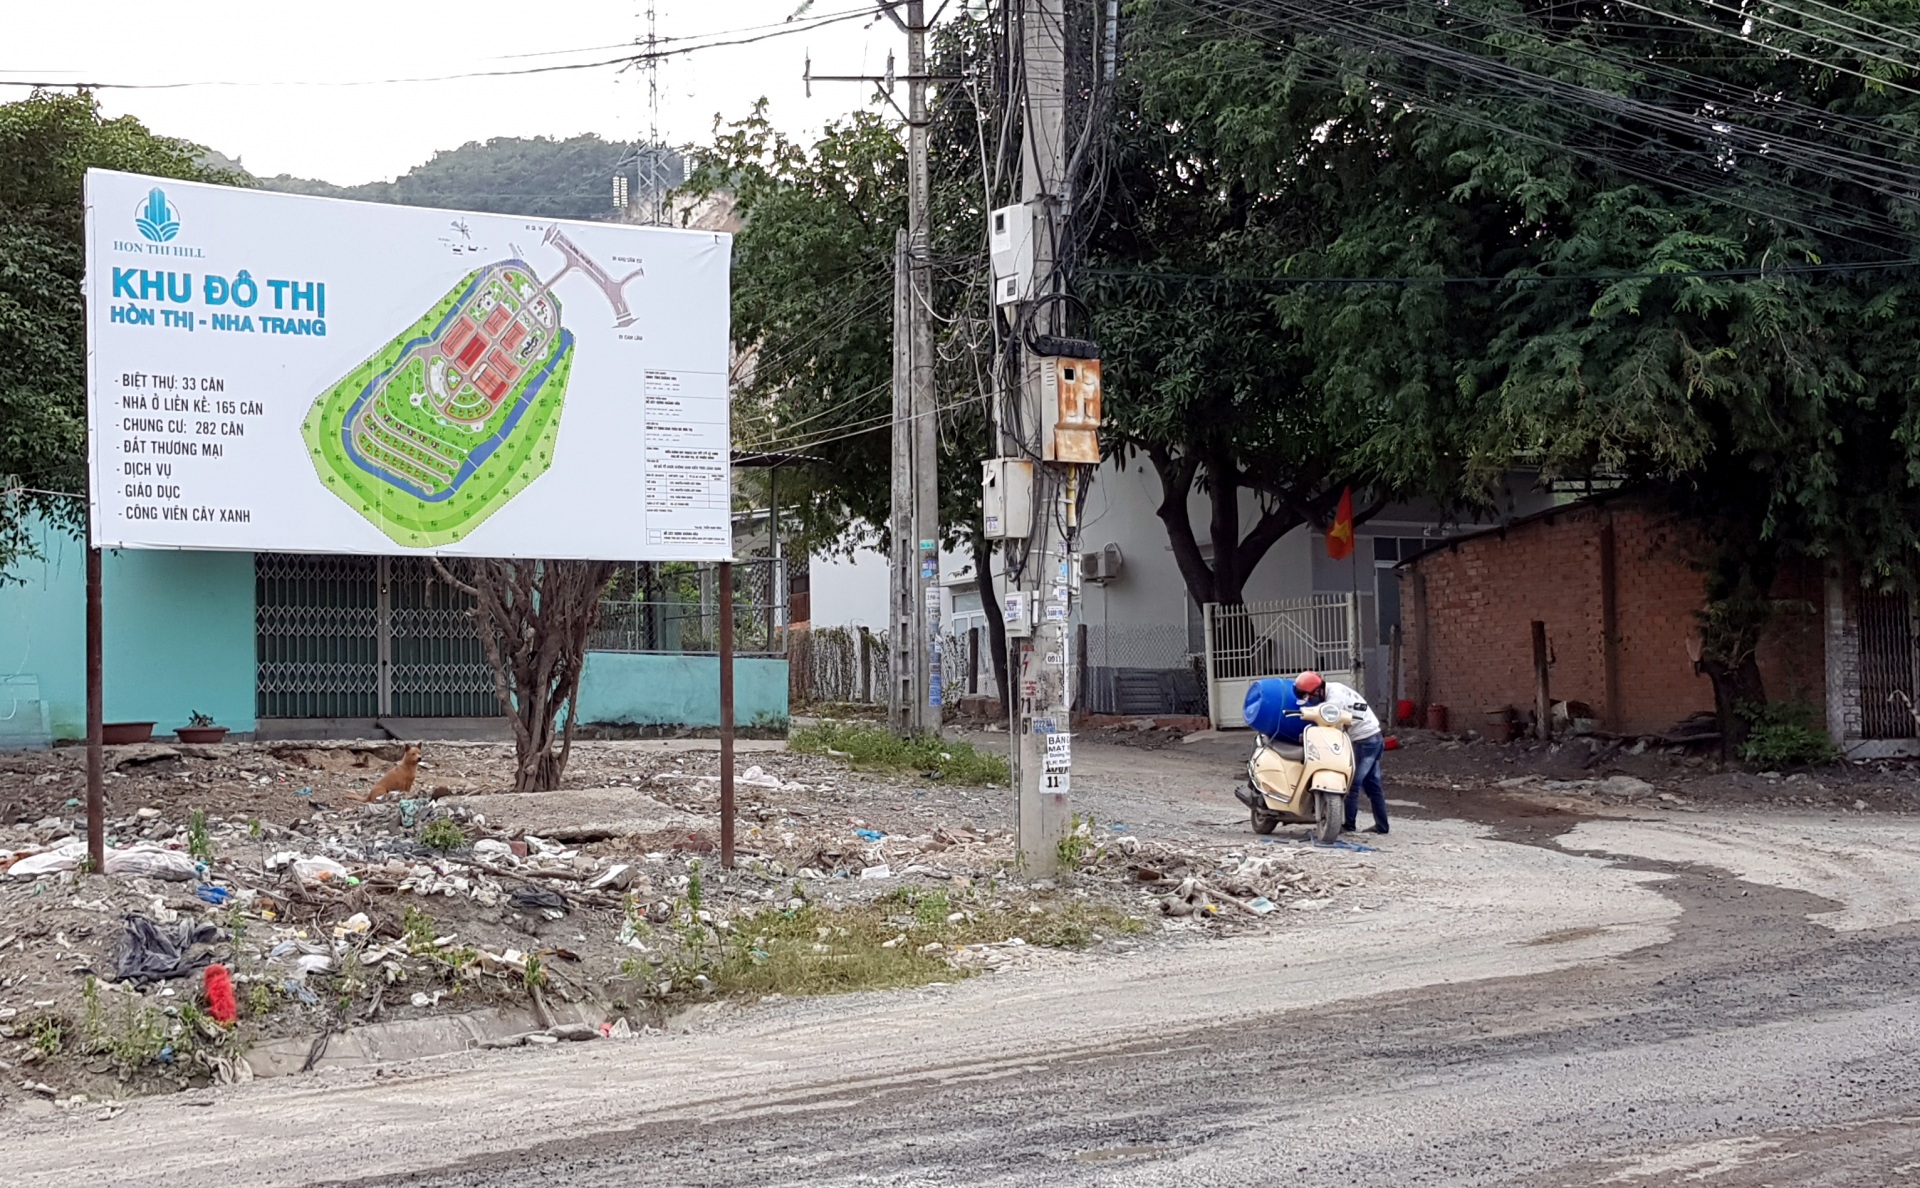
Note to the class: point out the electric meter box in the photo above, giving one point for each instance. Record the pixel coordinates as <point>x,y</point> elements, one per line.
<point>1070,410</point>
<point>1010,235</point>
<point>1006,498</point>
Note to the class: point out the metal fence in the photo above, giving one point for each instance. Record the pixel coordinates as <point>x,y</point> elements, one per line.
<point>837,664</point>
<point>1886,665</point>
<point>675,607</point>
<point>1139,670</point>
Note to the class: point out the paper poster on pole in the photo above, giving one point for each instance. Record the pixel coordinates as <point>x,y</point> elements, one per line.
<point>273,372</point>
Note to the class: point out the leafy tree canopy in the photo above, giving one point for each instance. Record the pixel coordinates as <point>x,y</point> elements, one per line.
<point>1700,226</point>
<point>47,143</point>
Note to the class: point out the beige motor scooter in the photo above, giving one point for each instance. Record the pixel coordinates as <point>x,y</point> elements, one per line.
<point>1303,785</point>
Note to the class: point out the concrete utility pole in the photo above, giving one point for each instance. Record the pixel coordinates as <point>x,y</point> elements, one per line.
<point>1043,752</point>
<point>914,694</point>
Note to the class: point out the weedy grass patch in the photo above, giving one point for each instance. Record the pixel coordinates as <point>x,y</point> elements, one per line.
<point>867,747</point>
<point>899,941</point>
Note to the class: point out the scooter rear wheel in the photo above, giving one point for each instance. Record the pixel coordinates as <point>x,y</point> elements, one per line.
<point>1330,809</point>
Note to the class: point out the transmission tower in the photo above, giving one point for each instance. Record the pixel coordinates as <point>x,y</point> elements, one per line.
<point>653,167</point>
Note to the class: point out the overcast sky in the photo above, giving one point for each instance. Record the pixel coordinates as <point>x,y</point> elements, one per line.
<point>285,108</point>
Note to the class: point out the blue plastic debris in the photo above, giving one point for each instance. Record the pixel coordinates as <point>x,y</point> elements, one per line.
<point>868,834</point>
<point>213,895</point>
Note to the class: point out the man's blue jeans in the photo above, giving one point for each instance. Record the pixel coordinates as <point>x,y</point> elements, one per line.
<point>1367,753</point>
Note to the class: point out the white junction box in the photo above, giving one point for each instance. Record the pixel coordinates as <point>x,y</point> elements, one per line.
<point>1010,236</point>
<point>1006,498</point>
<point>1018,614</point>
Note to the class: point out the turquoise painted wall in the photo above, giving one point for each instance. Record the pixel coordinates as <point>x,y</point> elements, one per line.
<point>649,689</point>
<point>179,634</point>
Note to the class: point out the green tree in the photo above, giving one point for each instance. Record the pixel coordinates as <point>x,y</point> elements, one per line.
<point>813,269</point>
<point>47,143</point>
<point>1703,243</point>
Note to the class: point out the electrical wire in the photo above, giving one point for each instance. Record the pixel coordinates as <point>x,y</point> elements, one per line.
<point>623,60</point>
<point>1512,278</point>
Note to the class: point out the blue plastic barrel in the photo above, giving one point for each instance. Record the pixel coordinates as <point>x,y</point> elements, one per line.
<point>1268,704</point>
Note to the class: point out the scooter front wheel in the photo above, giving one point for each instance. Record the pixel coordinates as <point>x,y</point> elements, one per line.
<point>1264,821</point>
<point>1329,812</point>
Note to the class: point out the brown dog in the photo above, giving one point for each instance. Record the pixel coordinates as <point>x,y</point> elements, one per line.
<point>398,779</point>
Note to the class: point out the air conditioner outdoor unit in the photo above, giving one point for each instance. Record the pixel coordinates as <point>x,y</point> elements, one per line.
<point>1103,566</point>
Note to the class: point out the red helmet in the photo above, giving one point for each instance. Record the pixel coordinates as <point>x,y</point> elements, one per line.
<point>1308,683</point>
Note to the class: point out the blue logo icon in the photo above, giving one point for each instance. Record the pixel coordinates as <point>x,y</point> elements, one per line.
<point>157,218</point>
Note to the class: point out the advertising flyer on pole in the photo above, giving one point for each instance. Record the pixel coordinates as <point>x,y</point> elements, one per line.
<point>274,372</point>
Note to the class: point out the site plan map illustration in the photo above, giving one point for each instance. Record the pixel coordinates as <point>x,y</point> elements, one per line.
<point>460,411</point>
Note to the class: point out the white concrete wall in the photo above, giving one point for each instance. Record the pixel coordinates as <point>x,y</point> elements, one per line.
<point>850,591</point>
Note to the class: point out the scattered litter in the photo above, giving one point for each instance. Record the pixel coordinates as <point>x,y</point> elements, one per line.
<point>53,861</point>
<point>872,835</point>
<point>150,952</point>
<point>549,903</point>
<point>152,862</point>
<point>882,871</point>
<point>216,896</point>
<point>220,1000</point>
<point>311,871</point>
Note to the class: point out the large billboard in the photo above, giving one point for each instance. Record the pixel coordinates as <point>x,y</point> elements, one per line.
<point>272,372</point>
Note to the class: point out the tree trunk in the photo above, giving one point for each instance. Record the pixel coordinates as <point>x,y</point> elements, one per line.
<point>1223,494</point>
<point>996,617</point>
<point>1225,579</point>
<point>1176,484</point>
<point>1734,688</point>
<point>534,620</point>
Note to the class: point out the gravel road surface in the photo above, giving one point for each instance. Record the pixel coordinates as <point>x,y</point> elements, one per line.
<point>1521,995</point>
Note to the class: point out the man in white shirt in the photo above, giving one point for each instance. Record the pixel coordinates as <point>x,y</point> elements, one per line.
<point>1369,743</point>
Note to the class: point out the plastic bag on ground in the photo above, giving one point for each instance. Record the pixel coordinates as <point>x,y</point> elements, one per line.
<point>152,862</point>
<point>319,870</point>
<point>52,861</point>
<point>152,952</point>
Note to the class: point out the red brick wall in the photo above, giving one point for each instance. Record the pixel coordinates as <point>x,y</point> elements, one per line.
<point>1470,647</point>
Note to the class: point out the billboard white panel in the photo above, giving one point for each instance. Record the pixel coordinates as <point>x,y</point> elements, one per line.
<point>272,372</point>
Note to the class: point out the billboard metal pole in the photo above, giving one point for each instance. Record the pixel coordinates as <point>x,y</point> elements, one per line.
<point>726,714</point>
<point>96,762</point>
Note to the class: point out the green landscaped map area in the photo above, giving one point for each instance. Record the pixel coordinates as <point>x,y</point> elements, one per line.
<point>454,416</point>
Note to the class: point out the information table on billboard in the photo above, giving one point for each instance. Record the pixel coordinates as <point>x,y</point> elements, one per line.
<point>272,372</point>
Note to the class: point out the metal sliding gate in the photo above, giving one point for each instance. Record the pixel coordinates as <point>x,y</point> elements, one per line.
<point>1887,662</point>
<point>1259,640</point>
<point>365,637</point>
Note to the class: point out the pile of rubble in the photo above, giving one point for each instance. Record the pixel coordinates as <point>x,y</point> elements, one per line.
<point>330,913</point>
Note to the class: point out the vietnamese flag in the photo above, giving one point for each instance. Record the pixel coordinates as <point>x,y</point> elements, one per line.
<point>1340,536</point>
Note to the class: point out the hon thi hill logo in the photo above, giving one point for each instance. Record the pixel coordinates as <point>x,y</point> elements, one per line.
<point>157,218</point>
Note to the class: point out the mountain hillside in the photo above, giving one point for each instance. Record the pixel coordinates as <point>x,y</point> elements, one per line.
<point>540,177</point>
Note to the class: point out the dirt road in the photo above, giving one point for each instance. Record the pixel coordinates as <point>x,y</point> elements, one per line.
<point>1504,1004</point>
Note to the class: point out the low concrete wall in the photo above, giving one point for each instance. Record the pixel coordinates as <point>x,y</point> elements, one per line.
<point>644,692</point>
<point>179,633</point>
